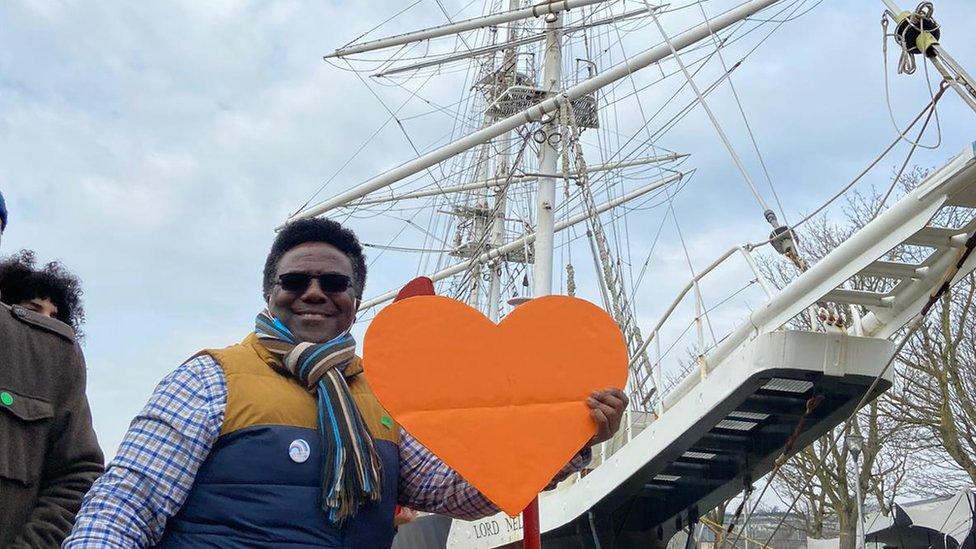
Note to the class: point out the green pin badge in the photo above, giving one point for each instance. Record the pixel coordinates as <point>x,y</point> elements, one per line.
<point>387,421</point>
<point>6,398</point>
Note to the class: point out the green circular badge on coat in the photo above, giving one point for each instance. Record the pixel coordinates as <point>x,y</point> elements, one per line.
<point>6,398</point>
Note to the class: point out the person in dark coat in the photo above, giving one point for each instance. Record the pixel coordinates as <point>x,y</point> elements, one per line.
<point>49,456</point>
<point>50,290</point>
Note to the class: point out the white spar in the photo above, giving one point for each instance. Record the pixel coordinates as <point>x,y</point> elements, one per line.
<point>539,110</point>
<point>496,182</point>
<point>484,50</point>
<point>492,20</point>
<point>524,241</point>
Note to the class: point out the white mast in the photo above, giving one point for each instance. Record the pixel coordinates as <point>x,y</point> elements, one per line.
<point>508,73</point>
<point>546,191</point>
<point>478,222</point>
<point>498,235</point>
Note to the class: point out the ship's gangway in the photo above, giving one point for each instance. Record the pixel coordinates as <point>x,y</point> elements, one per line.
<point>761,388</point>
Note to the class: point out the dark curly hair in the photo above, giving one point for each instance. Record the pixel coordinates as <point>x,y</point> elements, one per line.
<point>21,281</point>
<point>316,230</point>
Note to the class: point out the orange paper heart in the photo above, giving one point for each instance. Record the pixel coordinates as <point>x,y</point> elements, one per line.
<point>502,405</point>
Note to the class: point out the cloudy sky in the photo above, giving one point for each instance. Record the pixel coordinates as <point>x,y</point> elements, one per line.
<point>153,148</point>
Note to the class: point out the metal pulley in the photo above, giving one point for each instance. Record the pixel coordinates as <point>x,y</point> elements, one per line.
<point>782,240</point>
<point>782,237</point>
<point>917,31</point>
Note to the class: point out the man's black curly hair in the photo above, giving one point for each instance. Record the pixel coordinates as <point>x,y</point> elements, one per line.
<point>316,230</point>
<point>21,281</point>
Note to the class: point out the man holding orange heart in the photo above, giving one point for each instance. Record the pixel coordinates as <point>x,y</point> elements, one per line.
<point>279,439</point>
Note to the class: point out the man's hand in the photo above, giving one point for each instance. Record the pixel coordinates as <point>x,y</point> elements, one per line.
<point>607,408</point>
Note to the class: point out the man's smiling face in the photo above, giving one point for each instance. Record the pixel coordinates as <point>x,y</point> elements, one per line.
<point>314,315</point>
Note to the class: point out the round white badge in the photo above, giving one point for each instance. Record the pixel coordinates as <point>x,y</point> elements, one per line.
<point>299,450</point>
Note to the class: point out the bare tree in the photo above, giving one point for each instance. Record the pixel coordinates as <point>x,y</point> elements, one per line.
<point>819,476</point>
<point>920,436</point>
<point>933,397</point>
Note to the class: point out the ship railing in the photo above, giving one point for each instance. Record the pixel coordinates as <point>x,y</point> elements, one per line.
<point>641,412</point>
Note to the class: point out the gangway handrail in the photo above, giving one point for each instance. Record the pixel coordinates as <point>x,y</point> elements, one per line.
<point>693,283</point>
<point>654,336</point>
<point>883,233</point>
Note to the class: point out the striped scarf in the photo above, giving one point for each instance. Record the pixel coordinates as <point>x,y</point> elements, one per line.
<point>352,469</point>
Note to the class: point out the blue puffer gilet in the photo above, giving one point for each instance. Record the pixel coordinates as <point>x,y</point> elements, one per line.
<point>256,490</point>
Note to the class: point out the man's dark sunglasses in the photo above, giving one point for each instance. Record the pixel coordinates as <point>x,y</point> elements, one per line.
<point>299,282</point>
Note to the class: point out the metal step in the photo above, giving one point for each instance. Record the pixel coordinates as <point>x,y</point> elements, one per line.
<point>893,270</point>
<point>937,237</point>
<point>856,297</point>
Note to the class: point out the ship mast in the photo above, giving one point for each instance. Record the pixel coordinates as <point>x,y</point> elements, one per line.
<point>548,155</point>
<point>512,101</point>
<point>508,73</point>
<point>488,223</point>
<point>540,110</point>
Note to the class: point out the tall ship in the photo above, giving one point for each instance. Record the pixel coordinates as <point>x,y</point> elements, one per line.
<point>555,159</point>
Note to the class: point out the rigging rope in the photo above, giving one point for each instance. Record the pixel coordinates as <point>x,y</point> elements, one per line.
<point>911,152</point>
<point>745,119</point>
<point>847,187</point>
<point>611,274</point>
<point>711,115</point>
<point>891,114</point>
<point>909,29</point>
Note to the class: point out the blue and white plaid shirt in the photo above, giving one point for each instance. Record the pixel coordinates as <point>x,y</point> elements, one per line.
<point>152,474</point>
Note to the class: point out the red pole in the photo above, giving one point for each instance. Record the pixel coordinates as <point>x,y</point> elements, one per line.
<point>531,536</point>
